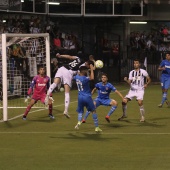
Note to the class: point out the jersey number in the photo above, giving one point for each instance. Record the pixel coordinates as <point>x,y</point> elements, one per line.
<point>73,64</point>
<point>79,86</point>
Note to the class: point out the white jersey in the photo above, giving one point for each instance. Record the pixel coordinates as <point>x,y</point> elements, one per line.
<point>137,79</point>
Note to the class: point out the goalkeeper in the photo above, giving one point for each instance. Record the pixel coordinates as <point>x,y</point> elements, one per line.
<point>40,84</point>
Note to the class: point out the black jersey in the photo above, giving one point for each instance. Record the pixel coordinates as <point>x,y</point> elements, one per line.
<point>70,64</point>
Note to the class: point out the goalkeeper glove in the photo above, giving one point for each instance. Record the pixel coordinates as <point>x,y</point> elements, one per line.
<point>52,100</point>
<point>26,99</point>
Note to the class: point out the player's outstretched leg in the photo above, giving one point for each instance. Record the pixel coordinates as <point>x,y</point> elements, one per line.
<point>142,112</point>
<point>79,120</point>
<point>164,98</point>
<point>67,103</point>
<point>124,108</point>
<point>113,108</point>
<point>95,119</point>
<point>85,117</point>
<point>50,111</point>
<point>167,102</point>
<point>24,117</point>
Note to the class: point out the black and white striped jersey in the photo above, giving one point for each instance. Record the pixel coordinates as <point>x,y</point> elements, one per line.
<point>138,79</point>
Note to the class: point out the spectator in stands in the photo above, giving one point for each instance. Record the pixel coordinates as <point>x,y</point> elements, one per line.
<point>31,21</point>
<point>106,51</point>
<point>143,40</point>
<point>137,39</point>
<point>149,43</point>
<point>132,40</point>
<point>34,28</point>
<point>57,42</point>
<point>49,26</point>
<point>115,51</point>
<point>165,33</point>
<point>66,42</point>
<point>72,42</point>
<point>15,52</point>
<point>162,49</point>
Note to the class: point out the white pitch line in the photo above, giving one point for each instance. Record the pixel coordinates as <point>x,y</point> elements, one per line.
<point>35,111</point>
<point>45,109</point>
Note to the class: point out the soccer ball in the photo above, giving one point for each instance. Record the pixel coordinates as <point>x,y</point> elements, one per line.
<point>99,64</point>
<point>61,89</point>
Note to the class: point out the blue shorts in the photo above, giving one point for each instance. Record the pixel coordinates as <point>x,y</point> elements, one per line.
<point>85,101</point>
<point>105,102</point>
<point>165,82</point>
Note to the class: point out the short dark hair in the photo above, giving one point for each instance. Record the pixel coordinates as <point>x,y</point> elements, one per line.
<point>41,66</point>
<point>137,60</point>
<point>90,62</point>
<point>167,52</point>
<point>104,74</point>
<point>82,68</point>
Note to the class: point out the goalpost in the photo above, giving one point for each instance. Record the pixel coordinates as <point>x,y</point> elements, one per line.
<point>17,72</point>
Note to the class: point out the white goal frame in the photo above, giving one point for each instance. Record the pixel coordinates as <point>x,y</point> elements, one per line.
<point>4,64</point>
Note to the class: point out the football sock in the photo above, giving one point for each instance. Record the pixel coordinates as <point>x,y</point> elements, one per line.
<point>124,108</point>
<point>164,97</point>
<point>50,108</point>
<point>51,88</point>
<point>95,119</point>
<point>86,115</point>
<point>142,110</point>
<point>27,110</point>
<point>113,108</point>
<point>79,117</point>
<point>67,101</point>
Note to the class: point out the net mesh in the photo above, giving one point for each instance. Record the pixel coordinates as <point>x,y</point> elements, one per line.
<point>24,54</point>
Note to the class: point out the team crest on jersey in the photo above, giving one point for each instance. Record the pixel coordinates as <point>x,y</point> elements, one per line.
<point>45,80</point>
<point>107,88</point>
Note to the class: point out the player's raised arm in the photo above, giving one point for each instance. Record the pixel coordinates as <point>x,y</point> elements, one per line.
<point>91,58</point>
<point>66,56</point>
<point>91,72</point>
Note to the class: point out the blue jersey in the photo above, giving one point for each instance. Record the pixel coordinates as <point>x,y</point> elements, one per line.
<point>104,90</point>
<point>166,64</point>
<point>84,97</point>
<point>83,84</point>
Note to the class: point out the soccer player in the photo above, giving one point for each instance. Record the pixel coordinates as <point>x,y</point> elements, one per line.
<point>104,89</point>
<point>84,96</point>
<point>68,67</point>
<point>39,86</point>
<point>165,78</point>
<point>137,89</point>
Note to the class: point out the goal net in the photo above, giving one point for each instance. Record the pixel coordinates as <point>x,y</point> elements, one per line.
<point>20,55</point>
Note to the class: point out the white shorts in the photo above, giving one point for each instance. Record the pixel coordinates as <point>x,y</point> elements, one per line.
<point>65,75</point>
<point>135,93</point>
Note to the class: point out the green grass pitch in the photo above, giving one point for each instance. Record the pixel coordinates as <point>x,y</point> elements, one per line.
<point>43,144</point>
